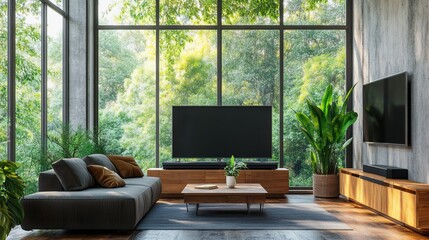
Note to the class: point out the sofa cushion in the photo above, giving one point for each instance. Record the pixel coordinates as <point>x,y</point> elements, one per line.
<point>92,208</point>
<point>99,159</point>
<point>126,166</point>
<point>73,174</point>
<point>106,177</point>
<point>154,183</point>
<point>48,181</point>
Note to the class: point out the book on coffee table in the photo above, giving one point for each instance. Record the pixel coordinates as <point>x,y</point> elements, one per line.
<point>206,186</point>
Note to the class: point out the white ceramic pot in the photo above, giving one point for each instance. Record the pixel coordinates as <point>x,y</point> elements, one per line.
<point>230,181</point>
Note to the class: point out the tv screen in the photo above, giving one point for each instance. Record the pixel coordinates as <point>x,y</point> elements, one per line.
<point>222,131</point>
<point>385,110</point>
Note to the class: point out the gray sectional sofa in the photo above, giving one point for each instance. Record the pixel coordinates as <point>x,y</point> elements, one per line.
<point>94,208</point>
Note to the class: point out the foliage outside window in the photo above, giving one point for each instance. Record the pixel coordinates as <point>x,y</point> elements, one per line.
<point>250,71</point>
<point>28,90</point>
<point>29,84</point>
<point>188,68</point>
<point>187,77</point>
<point>55,71</point>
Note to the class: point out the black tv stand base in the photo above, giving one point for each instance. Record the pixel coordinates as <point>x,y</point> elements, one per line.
<point>216,165</point>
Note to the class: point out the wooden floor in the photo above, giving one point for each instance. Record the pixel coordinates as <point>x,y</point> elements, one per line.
<point>365,223</point>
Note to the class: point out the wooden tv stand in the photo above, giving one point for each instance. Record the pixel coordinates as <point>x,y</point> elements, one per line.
<point>276,181</point>
<point>401,200</point>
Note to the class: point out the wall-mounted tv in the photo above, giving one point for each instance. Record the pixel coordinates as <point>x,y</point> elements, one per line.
<point>222,131</point>
<point>386,110</point>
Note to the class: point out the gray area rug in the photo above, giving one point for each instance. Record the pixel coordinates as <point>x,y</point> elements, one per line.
<point>275,216</point>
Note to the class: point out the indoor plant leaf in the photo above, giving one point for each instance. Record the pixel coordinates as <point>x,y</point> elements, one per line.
<point>346,144</point>
<point>326,99</point>
<point>233,168</point>
<point>11,191</point>
<point>325,128</point>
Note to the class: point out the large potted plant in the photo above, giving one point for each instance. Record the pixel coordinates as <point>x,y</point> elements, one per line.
<point>325,129</point>
<point>11,192</point>
<point>232,170</point>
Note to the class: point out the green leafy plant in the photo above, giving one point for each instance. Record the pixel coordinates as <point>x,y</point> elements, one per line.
<point>63,141</point>
<point>233,168</point>
<point>68,142</point>
<point>11,191</point>
<point>325,129</point>
<point>310,5</point>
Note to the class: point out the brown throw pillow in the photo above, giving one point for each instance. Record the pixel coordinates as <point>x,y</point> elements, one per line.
<point>126,166</point>
<point>106,177</point>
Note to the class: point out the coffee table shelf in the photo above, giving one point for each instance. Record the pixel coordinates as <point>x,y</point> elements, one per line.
<point>249,193</point>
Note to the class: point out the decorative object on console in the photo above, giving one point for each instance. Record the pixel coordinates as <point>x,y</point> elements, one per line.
<point>232,170</point>
<point>325,129</point>
<point>126,166</point>
<point>105,177</point>
<point>11,191</point>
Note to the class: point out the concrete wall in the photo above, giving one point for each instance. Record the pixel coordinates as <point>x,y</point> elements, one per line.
<point>391,36</point>
<point>78,63</point>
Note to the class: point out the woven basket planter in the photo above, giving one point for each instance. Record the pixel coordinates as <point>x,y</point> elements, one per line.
<point>326,186</point>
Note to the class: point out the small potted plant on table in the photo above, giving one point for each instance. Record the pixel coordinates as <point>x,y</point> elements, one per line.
<point>232,170</point>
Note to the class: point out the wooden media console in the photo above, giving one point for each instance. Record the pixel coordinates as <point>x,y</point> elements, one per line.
<point>402,200</point>
<point>275,182</point>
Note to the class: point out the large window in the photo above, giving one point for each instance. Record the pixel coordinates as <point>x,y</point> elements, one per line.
<point>3,79</point>
<point>187,76</point>
<point>28,91</point>
<point>127,94</point>
<point>198,53</point>
<point>55,70</point>
<point>308,12</point>
<point>250,72</point>
<point>36,86</point>
<point>312,59</point>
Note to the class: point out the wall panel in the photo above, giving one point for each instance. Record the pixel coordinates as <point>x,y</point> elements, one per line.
<point>391,36</point>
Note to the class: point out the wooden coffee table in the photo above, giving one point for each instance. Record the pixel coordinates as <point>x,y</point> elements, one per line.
<point>242,193</point>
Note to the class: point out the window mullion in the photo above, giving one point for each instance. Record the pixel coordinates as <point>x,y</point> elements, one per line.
<point>281,85</point>
<point>11,83</point>
<point>157,84</point>
<point>44,87</point>
<point>66,76</point>
<point>219,52</point>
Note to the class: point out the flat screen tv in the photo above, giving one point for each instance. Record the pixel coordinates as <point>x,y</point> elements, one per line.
<point>386,110</point>
<point>222,131</point>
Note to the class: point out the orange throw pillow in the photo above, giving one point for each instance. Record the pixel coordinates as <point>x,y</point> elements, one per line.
<point>105,177</point>
<point>126,166</point>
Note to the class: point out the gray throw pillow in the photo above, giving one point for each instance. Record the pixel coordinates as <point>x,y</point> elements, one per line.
<point>73,174</point>
<point>99,159</point>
